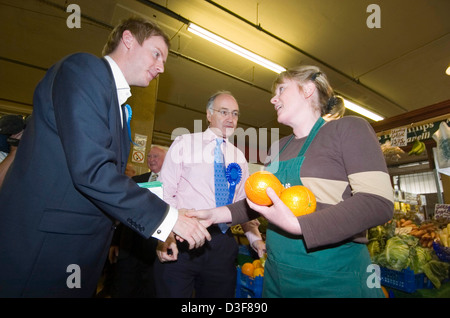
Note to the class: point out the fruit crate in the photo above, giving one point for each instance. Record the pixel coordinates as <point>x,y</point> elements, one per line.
<point>404,280</point>
<point>248,287</point>
<point>443,253</point>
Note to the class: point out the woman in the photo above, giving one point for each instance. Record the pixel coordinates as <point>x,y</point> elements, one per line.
<point>340,160</point>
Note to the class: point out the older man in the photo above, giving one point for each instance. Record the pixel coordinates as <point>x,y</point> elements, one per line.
<point>189,179</point>
<point>155,160</point>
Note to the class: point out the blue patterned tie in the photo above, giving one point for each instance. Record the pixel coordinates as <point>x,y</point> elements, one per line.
<point>220,181</point>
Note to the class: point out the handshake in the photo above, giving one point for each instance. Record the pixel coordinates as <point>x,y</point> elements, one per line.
<point>191,226</point>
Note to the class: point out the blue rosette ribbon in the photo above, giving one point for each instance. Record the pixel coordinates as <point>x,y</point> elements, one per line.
<point>234,176</point>
<point>130,115</point>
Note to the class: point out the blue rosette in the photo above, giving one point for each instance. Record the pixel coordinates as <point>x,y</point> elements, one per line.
<point>233,174</point>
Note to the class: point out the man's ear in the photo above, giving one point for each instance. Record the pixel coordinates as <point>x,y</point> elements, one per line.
<point>127,39</point>
<point>208,115</point>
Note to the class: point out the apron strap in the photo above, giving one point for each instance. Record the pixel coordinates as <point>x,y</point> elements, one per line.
<point>319,123</point>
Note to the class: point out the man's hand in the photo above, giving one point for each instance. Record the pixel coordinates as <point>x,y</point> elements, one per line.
<point>167,251</point>
<point>113,254</point>
<point>191,230</point>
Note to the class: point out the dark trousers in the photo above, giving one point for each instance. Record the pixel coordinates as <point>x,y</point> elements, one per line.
<point>206,272</point>
<point>133,278</point>
<point>133,272</point>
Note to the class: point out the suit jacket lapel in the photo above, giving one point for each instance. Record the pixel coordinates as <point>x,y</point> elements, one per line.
<point>121,126</point>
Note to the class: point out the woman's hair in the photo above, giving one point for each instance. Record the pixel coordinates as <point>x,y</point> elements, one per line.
<point>328,103</point>
<point>140,28</point>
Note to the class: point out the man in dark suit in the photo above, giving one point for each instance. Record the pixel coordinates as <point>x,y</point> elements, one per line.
<point>66,188</point>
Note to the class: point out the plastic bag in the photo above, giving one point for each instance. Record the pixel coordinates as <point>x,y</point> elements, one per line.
<point>442,138</point>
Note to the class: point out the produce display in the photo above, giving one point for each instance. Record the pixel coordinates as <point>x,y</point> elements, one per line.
<point>418,148</point>
<point>255,268</point>
<point>402,244</point>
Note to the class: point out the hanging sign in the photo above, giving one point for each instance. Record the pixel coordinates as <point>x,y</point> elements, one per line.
<point>421,132</point>
<point>399,137</point>
<point>138,154</point>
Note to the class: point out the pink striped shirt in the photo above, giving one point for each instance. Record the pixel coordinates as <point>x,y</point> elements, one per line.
<point>188,170</point>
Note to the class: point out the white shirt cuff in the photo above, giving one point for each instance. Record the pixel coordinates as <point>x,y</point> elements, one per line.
<point>165,228</point>
<point>252,237</point>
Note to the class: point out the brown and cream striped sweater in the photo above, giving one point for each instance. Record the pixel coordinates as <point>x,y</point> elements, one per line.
<point>345,169</point>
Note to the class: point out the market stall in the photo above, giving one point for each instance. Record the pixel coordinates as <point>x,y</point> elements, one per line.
<point>413,256</point>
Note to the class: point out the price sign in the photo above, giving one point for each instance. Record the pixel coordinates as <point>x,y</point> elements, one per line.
<point>399,137</point>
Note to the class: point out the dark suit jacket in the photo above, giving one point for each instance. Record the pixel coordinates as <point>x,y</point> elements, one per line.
<point>131,243</point>
<point>67,186</point>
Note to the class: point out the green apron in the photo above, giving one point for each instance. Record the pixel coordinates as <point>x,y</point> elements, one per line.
<point>293,271</point>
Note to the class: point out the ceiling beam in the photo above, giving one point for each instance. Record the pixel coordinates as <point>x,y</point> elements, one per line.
<point>413,117</point>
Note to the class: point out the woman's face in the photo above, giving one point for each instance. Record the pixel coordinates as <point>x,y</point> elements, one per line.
<point>289,101</point>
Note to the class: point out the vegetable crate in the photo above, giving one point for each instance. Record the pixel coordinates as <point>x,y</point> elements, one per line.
<point>404,280</point>
<point>443,253</point>
<point>248,287</point>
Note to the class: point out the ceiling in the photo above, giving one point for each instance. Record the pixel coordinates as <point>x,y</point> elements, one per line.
<point>390,70</point>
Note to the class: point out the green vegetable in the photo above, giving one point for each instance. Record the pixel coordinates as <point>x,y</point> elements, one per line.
<point>436,271</point>
<point>377,232</point>
<point>419,257</point>
<point>396,253</point>
<point>374,248</point>
<point>390,229</point>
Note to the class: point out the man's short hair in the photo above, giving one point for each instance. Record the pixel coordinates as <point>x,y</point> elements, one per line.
<point>140,28</point>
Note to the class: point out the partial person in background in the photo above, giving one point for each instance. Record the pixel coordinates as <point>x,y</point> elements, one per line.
<point>11,131</point>
<point>155,159</point>
<point>190,177</point>
<point>322,254</point>
<point>130,170</point>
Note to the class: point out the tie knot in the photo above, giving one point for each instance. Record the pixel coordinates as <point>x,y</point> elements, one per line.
<point>218,155</point>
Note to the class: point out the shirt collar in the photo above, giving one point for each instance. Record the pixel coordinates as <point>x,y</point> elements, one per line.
<point>209,135</point>
<point>123,89</point>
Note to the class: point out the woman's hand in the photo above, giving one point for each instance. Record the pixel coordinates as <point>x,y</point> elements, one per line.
<point>278,213</point>
<point>259,247</point>
<point>212,216</point>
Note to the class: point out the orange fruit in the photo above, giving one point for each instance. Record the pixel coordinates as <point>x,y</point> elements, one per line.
<point>385,292</point>
<point>256,185</point>
<point>248,269</point>
<point>258,272</point>
<point>257,263</point>
<point>299,199</point>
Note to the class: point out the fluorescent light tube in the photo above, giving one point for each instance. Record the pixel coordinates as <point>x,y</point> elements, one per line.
<point>234,48</point>
<point>362,111</point>
<point>265,63</point>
